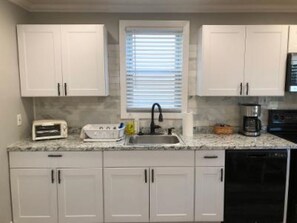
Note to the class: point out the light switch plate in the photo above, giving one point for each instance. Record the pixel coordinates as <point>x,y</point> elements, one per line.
<point>19,120</point>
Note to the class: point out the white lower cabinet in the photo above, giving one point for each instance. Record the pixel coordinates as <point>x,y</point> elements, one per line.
<point>126,195</point>
<point>209,189</point>
<point>80,195</point>
<point>127,191</point>
<point>34,196</point>
<point>149,186</point>
<point>171,194</point>
<point>51,196</point>
<point>138,187</point>
<point>56,187</point>
<point>209,194</point>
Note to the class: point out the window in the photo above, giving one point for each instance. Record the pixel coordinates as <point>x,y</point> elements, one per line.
<point>154,65</point>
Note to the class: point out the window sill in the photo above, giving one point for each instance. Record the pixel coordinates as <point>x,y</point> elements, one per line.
<point>147,115</point>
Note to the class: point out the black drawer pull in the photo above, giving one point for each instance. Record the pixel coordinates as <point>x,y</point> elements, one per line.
<point>222,174</point>
<point>53,176</point>
<point>153,176</point>
<point>55,155</point>
<point>59,92</point>
<point>145,175</point>
<point>210,157</point>
<point>59,176</point>
<point>65,88</point>
<point>241,88</point>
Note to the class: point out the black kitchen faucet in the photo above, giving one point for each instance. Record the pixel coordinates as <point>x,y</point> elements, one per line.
<point>153,126</point>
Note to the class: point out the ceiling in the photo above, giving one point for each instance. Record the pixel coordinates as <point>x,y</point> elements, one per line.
<point>158,6</point>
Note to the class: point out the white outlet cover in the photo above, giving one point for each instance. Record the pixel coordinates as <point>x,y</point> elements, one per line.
<point>19,120</point>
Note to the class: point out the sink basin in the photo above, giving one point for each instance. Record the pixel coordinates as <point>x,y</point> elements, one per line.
<point>153,140</point>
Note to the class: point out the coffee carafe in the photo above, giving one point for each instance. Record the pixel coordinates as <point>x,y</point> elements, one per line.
<point>249,117</point>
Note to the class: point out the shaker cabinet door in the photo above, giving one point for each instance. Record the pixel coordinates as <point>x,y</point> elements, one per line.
<point>172,194</point>
<point>80,195</point>
<point>34,196</point>
<point>265,66</point>
<point>126,194</point>
<point>292,45</point>
<point>84,54</point>
<point>40,60</point>
<point>221,60</point>
<point>209,194</point>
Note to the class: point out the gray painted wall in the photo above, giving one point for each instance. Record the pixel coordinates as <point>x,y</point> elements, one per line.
<point>11,103</point>
<point>207,110</point>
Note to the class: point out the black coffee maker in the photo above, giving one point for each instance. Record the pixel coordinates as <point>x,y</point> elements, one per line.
<point>250,122</point>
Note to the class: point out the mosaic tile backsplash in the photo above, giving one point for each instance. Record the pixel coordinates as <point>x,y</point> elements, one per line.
<point>79,111</point>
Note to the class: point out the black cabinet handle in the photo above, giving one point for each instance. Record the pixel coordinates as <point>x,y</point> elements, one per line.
<point>241,88</point>
<point>210,157</point>
<point>222,174</point>
<point>145,175</point>
<point>153,176</point>
<point>247,88</point>
<point>53,176</point>
<point>54,155</point>
<point>59,92</point>
<point>65,88</point>
<point>59,176</point>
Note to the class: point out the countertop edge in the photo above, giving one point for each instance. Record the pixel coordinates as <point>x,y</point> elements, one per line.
<point>197,142</point>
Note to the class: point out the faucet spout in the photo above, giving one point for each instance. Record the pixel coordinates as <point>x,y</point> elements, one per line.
<point>153,126</point>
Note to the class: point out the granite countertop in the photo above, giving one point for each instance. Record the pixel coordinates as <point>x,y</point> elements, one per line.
<point>197,142</point>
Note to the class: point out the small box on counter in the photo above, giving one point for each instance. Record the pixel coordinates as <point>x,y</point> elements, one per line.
<point>223,129</point>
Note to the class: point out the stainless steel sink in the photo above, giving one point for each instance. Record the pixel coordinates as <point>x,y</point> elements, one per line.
<point>153,140</point>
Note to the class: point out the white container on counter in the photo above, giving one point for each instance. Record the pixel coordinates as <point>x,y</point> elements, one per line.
<point>187,124</point>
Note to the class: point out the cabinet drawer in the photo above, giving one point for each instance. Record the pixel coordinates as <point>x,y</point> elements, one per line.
<point>55,159</point>
<point>148,158</point>
<point>210,158</point>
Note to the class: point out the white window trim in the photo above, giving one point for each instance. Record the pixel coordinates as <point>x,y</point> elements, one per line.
<point>185,26</point>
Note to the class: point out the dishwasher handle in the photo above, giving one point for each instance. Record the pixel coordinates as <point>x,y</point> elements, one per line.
<point>259,155</point>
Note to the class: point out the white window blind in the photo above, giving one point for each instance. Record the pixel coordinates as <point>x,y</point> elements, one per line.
<point>154,67</point>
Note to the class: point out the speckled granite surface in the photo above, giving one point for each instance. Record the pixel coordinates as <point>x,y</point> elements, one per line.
<point>237,141</point>
<point>197,142</point>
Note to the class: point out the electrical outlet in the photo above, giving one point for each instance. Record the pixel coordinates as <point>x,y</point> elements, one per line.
<point>19,120</point>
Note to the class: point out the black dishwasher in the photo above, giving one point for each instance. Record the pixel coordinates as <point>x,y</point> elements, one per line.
<point>255,185</point>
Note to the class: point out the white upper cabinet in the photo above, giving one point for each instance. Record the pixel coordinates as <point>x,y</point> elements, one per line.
<point>221,60</point>
<point>265,60</point>
<point>84,60</point>
<point>40,59</point>
<point>242,60</point>
<point>292,46</point>
<point>63,60</point>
